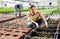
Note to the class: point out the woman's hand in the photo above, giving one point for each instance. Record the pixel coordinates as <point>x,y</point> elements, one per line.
<point>37,25</point>
<point>46,24</point>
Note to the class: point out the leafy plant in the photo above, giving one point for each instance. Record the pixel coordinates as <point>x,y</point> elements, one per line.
<point>57,11</point>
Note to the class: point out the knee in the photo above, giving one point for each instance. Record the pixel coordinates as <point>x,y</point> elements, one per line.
<point>29,23</point>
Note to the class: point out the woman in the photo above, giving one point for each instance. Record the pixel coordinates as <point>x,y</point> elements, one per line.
<point>18,9</point>
<point>35,17</point>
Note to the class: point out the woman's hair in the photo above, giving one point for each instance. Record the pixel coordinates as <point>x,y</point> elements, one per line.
<point>32,6</point>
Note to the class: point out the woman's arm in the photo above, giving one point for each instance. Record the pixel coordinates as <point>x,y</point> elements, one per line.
<point>43,17</point>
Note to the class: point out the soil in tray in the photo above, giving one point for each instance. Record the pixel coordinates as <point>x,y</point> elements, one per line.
<point>52,23</point>
<point>41,35</point>
<point>45,32</point>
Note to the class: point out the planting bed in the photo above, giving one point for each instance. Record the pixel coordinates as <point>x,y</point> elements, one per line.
<point>6,17</point>
<point>44,33</point>
<point>14,29</point>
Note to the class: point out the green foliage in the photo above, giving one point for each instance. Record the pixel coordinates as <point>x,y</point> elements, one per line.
<point>40,8</point>
<point>25,9</point>
<point>57,11</point>
<point>10,10</point>
<point>6,10</point>
<point>43,10</point>
<point>47,11</point>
